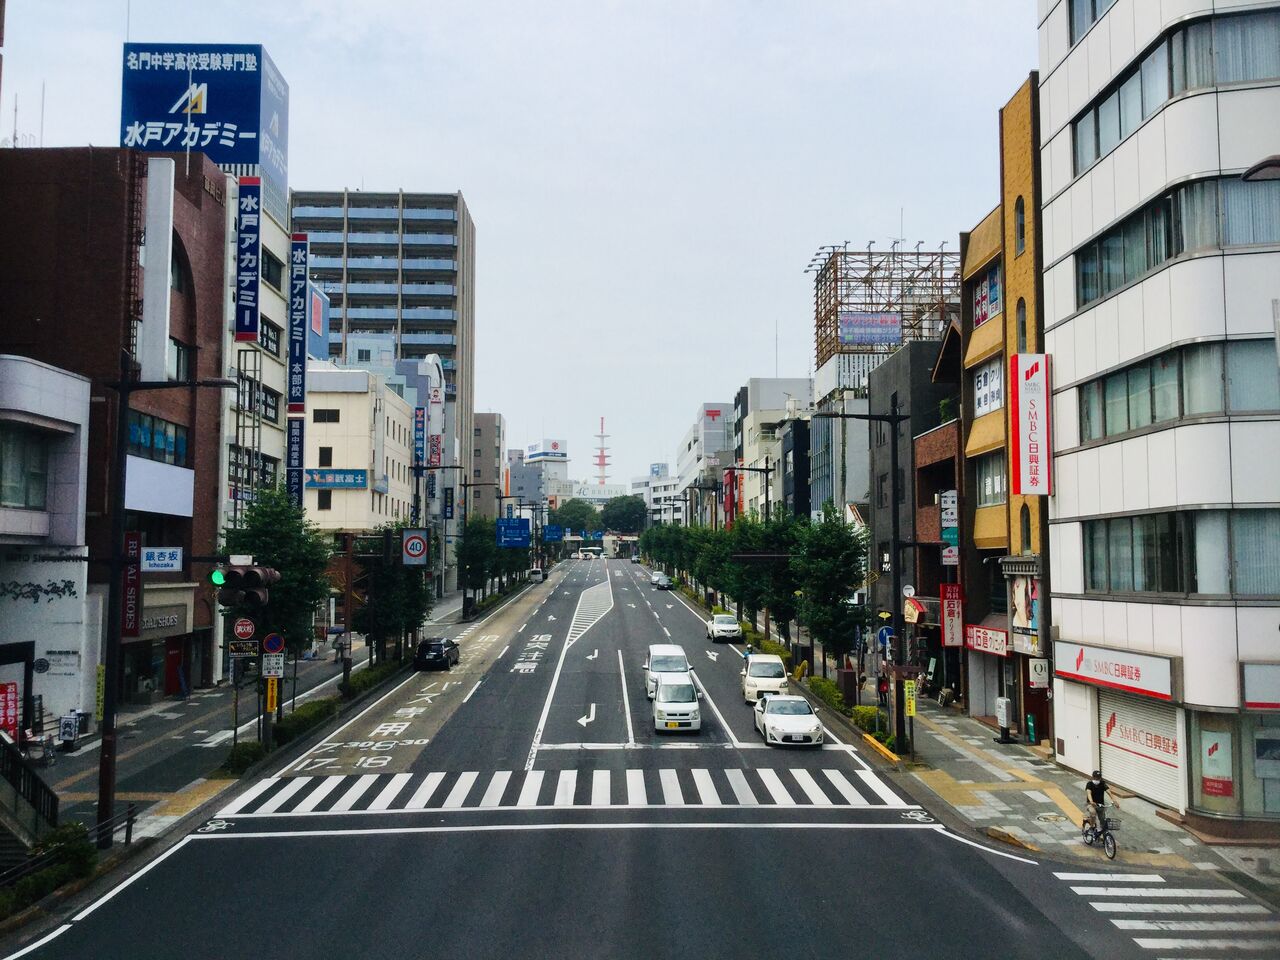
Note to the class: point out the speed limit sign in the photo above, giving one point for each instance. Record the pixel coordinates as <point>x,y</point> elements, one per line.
<point>414,548</point>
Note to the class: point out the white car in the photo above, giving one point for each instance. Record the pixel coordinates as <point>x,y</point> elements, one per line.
<point>724,626</point>
<point>763,673</point>
<point>664,659</point>
<point>788,720</point>
<point>675,704</point>
<point>656,576</point>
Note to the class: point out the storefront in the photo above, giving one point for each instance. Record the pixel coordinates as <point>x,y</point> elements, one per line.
<point>1235,755</point>
<point>989,672</point>
<point>1125,721</point>
<point>1028,656</point>
<point>157,663</point>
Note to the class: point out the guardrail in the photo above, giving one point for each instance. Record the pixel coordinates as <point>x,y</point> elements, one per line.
<point>18,772</point>
<point>52,856</point>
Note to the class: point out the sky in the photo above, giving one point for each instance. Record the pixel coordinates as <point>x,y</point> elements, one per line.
<point>648,178</point>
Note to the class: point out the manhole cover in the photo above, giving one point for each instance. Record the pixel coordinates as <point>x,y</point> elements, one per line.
<point>1051,818</point>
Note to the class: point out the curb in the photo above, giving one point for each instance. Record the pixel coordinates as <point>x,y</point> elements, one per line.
<point>879,747</point>
<point>1004,836</point>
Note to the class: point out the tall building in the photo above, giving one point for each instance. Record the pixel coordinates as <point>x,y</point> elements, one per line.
<point>839,449</point>
<point>399,266</point>
<point>1160,267</point>
<point>758,407</point>
<point>710,433</point>
<point>488,441</point>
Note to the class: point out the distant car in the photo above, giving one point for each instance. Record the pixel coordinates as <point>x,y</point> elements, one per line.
<point>635,559</point>
<point>675,703</point>
<point>787,720</point>
<point>537,574</point>
<point>663,582</point>
<point>763,674</point>
<point>656,576</point>
<point>664,659</point>
<point>724,626</point>
<point>436,653</point>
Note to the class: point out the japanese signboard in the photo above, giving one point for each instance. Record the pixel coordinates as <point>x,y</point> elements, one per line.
<point>1029,426</point>
<point>419,435</point>
<point>248,265</point>
<point>908,698</point>
<point>986,296</point>
<point>162,560</point>
<point>293,459</point>
<point>986,640</point>
<point>296,388</point>
<point>1038,674</point>
<point>242,649</point>
<point>435,450</point>
<point>447,507</point>
<point>552,533</point>
<point>1217,776</point>
<point>9,708</point>
<point>273,694</point>
<point>988,387</point>
<point>273,664</point>
<point>131,601</point>
<point>952,609</point>
<point>1116,669</point>
<point>337,479</point>
<point>949,515</point>
<point>513,532</point>
<point>869,329</point>
<point>227,101</point>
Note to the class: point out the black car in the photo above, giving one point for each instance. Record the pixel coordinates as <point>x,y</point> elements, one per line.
<point>663,582</point>
<point>436,653</point>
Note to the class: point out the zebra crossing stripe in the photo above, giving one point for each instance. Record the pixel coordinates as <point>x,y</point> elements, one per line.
<point>420,796</point>
<point>565,787</point>
<point>493,793</point>
<point>741,789</point>
<point>357,790</point>
<point>636,796</point>
<point>1201,893</point>
<point>706,789</point>
<point>398,783</point>
<point>773,783</point>
<point>529,792</point>
<point>1207,926</point>
<point>246,798</point>
<point>460,790</point>
<point>279,799</point>
<point>846,789</point>
<point>878,787</point>
<point>312,800</point>
<point>810,787</point>
<point>1165,943</point>
<point>1216,909</point>
<point>600,788</point>
<point>671,794</point>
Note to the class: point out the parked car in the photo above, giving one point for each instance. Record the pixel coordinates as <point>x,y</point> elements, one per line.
<point>787,720</point>
<point>763,673</point>
<point>656,576</point>
<point>436,653</point>
<point>663,658</point>
<point>675,703</point>
<point>724,626</point>
<point>635,559</point>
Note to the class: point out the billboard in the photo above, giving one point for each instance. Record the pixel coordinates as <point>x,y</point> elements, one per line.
<point>419,436</point>
<point>225,100</point>
<point>546,449</point>
<point>296,386</point>
<point>248,263</point>
<point>1029,426</point>
<point>318,322</point>
<point>859,329</point>
<point>293,460</point>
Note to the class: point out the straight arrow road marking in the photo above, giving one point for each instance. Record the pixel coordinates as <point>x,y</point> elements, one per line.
<point>551,616</point>
<point>713,655</point>
<point>590,717</point>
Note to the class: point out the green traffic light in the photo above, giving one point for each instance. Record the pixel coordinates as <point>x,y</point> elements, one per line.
<point>218,578</point>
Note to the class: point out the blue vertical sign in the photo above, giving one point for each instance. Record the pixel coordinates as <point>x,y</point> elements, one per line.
<point>297,385</point>
<point>448,503</point>
<point>293,460</point>
<point>419,435</point>
<point>248,251</point>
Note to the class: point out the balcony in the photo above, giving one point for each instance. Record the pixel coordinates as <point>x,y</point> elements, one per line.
<point>428,313</point>
<point>325,213</point>
<point>371,313</point>
<point>429,263</point>
<point>429,213</point>
<point>429,339</point>
<point>429,289</point>
<point>382,238</point>
<point>373,213</point>
<point>431,239</point>
<point>358,288</point>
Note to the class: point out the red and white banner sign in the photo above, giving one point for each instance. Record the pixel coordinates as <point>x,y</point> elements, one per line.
<point>1030,458</point>
<point>435,450</point>
<point>9,708</point>
<point>730,496</point>
<point>1116,669</point>
<point>986,640</point>
<point>952,615</point>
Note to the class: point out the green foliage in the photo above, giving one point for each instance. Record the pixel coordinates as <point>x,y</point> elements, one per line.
<point>243,756</point>
<point>75,861</point>
<point>310,714</point>
<point>368,678</point>
<point>828,693</point>
<point>864,718</point>
<point>400,596</point>
<point>576,516</point>
<point>624,514</point>
<point>482,560</point>
<point>277,534</point>
<point>830,563</point>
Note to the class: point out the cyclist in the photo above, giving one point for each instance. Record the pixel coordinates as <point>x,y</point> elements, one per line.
<point>1096,794</point>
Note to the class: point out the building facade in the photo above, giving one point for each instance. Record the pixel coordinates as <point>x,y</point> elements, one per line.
<point>488,467</point>
<point>1160,268</point>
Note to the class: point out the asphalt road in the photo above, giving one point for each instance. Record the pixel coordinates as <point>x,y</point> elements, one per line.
<point>522,805</point>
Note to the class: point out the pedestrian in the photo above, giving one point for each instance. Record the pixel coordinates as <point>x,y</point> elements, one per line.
<point>882,690</point>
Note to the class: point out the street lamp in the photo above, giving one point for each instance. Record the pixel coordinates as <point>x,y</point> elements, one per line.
<point>125,387</point>
<point>1265,169</point>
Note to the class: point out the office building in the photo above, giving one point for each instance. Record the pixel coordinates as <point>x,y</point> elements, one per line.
<point>488,469</point>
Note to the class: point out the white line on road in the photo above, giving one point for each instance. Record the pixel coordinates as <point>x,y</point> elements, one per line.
<point>281,798</point>
<point>529,792</point>
<point>666,631</point>
<point>504,652</point>
<point>1207,893</point>
<point>383,800</point>
<point>516,827</point>
<point>810,787</point>
<point>460,790</point>
<point>600,788</point>
<point>137,876</point>
<point>636,796</point>
<point>878,786</point>
<point>326,787</point>
<point>845,788</point>
<point>1140,906</point>
<point>773,783</point>
<point>741,789</point>
<point>493,795</point>
<point>716,710</point>
<point>39,943</point>
<point>1201,926</point>
<point>567,783</point>
<point>671,794</point>
<point>358,789</point>
<point>944,832</point>
<point>706,788</point>
<point>472,690</point>
<point>423,794</point>
<point>246,798</point>
<point>626,702</point>
<point>1113,877</point>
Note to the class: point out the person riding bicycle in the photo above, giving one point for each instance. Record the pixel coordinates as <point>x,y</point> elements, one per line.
<point>1096,793</point>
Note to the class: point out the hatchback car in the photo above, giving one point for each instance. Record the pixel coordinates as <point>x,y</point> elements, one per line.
<point>675,704</point>
<point>788,720</point>
<point>439,653</point>
<point>763,673</point>
<point>663,582</point>
<point>664,659</point>
<point>724,626</point>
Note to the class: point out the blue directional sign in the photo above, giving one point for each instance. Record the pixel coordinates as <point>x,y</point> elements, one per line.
<point>884,636</point>
<point>513,532</point>
<point>552,533</point>
<point>597,534</point>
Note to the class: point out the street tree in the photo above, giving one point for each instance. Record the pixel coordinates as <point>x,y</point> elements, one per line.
<point>624,514</point>
<point>477,552</point>
<point>399,596</point>
<point>829,562</point>
<point>575,516</point>
<point>276,534</point>
<point>779,537</point>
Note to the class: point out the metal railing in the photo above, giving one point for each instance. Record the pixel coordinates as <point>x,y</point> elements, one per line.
<point>94,835</point>
<point>22,776</point>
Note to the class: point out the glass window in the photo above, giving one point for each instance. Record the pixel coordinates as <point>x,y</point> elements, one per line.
<point>269,336</point>
<point>1135,248</point>
<point>272,270</point>
<point>324,499</point>
<point>1139,381</point>
<point>24,468</point>
<point>1091,423</point>
<point>1086,130</point>
<point>1108,124</point>
<point>1202,379</point>
<point>1111,248</point>
<point>1197,213</point>
<point>326,456</point>
<point>324,415</point>
<point>1021,325</point>
<point>178,361</point>
<point>1157,224</point>
<point>1116,391</point>
<point>1087,287</point>
<point>1255,561</point>
<point>1130,104</point>
<point>1250,212</point>
<point>1019,226</point>
<point>1120,553</point>
<point>1155,79</point>
<point>1247,48</point>
<point>1253,378</point>
<point>1210,569</point>
<point>1164,387</point>
<point>989,471</point>
<point>1095,555</point>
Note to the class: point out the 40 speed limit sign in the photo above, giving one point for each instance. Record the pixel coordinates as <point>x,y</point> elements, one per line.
<point>413,551</point>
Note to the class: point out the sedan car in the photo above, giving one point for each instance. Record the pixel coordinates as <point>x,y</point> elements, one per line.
<point>763,674</point>
<point>656,576</point>
<point>635,559</point>
<point>787,720</point>
<point>436,653</point>
<point>675,704</point>
<point>663,582</point>
<point>724,626</point>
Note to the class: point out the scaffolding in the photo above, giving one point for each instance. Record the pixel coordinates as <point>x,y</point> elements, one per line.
<point>921,285</point>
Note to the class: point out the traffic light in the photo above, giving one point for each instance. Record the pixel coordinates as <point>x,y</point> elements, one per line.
<point>244,587</point>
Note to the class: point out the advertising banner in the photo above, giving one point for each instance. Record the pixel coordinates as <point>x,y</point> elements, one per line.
<point>949,513</point>
<point>1029,453</point>
<point>248,251</point>
<point>431,486</point>
<point>730,498</point>
<point>318,321</point>
<point>131,605</point>
<point>1116,669</point>
<point>988,387</point>
<point>419,435</point>
<point>1024,615</point>
<point>546,450</point>
<point>1217,773</point>
<point>337,479</point>
<point>986,640</point>
<point>293,459</point>
<point>859,329</point>
<point>448,503</point>
<point>952,605</point>
<point>296,388</point>
<point>435,450</point>
<point>9,708</point>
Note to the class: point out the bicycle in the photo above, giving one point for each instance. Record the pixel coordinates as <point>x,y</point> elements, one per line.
<point>1090,833</point>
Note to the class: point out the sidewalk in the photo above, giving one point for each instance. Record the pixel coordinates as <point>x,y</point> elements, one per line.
<point>1018,794</point>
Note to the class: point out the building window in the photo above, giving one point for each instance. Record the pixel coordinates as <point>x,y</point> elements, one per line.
<point>363,356</point>
<point>155,439</point>
<point>988,387</point>
<point>1024,529</point>
<point>326,456</point>
<point>177,277</point>
<point>476,473</point>
<point>269,336</point>
<point>24,468</point>
<point>987,302</point>
<point>270,404</point>
<point>1021,315</point>
<point>178,361</point>
<point>1084,13</point>
<point>882,490</point>
<point>1231,49</point>
<point>476,431</point>
<point>1195,216</point>
<point>1019,226</point>
<point>272,270</point>
<point>477,452</point>
<point>324,499</point>
<point>324,415</point>
<point>989,477</point>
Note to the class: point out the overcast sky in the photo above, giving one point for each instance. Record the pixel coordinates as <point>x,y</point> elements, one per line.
<point>648,178</point>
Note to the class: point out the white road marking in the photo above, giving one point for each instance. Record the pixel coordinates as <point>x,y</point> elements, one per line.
<point>846,789</point>
<point>460,790</point>
<point>39,943</point>
<point>1114,877</point>
<point>741,789</point>
<point>773,783</point>
<point>666,631</point>
<point>523,827</point>
<point>1139,906</point>
<point>312,800</point>
<point>398,783</point>
<point>281,798</point>
<point>1170,943</point>
<point>595,653</point>
<point>600,788</point>
<point>636,796</point>
<point>881,790</point>
<point>810,787</point>
<point>564,788</point>
<point>246,798</point>
<point>713,656</point>
<point>944,832</point>
<point>626,702</point>
<point>1201,926</point>
<point>504,651</point>
<point>590,716</point>
<point>706,788</point>
<point>472,690</point>
<point>1206,893</point>
<point>671,794</point>
<point>716,710</point>
<point>493,794</point>
<point>420,797</point>
<point>529,792</point>
<point>348,799</point>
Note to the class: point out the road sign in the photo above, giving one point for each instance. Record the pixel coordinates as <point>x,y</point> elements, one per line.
<point>909,697</point>
<point>908,591</point>
<point>273,665</point>
<point>241,649</point>
<point>161,559</point>
<point>414,548</point>
<point>951,536</point>
<point>273,687</point>
<point>951,556</point>
<point>884,636</point>
<point>273,643</point>
<point>245,628</point>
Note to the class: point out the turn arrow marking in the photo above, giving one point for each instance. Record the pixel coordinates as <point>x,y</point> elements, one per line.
<point>593,654</point>
<point>551,616</point>
<point>591,715</point>
<point>631,605</point>
<point>670,605</point>
<point>713,656</point>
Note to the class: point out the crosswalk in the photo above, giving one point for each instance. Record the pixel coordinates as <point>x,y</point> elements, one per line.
<point>1173,920</point>
<point>553,789</point>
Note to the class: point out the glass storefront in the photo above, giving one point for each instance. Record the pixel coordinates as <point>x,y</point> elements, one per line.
<point>1235,764</point>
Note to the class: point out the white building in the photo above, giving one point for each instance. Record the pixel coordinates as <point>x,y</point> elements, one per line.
<point>1161,273</point>
<point>663,494</point>
<point>710,433</point>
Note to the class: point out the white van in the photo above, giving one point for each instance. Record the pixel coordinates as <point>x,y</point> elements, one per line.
<point>663,658</point>
<point>675,703</point>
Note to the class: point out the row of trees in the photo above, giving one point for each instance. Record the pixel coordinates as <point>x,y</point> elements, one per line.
<point>481,560</point>
<point>619,515</point>
<point>797,569</point>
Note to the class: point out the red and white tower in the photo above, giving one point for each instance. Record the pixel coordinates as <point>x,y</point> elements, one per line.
<point>602,455</point>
